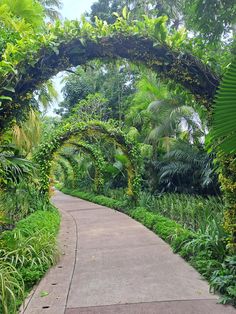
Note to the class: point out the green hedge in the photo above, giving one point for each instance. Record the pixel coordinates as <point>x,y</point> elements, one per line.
<point>26,253</point>
<point>99,199</point>
<point>167,229</point>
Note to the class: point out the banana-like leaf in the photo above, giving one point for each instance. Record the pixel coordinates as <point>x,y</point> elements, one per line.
<point>224,113</point>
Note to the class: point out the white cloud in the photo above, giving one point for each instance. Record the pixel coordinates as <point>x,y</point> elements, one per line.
<point>73,9</point>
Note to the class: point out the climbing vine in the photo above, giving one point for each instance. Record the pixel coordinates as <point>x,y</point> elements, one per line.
<point>44,155</point>
<point>28,63</point>
<point>98,161</point>
<point>67,170</point>
<point>74,165</point>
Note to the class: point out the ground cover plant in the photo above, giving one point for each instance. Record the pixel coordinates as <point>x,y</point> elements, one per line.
<point>26,253</point>
<point>192,211</point>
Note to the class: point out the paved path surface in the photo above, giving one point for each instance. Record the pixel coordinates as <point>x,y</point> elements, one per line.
<point>112,264</point>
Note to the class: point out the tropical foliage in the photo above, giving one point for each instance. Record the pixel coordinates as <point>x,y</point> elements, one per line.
<point>137,129</point>
<point>225,113</point>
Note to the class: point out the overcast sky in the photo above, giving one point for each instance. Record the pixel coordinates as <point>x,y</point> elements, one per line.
<point>73,9</point>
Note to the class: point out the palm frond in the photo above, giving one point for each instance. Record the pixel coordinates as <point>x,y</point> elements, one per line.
<point>224,112</point>
<point>27,135</point>
<point>13,166</point>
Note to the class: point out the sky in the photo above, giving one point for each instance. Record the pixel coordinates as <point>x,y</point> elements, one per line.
<point>71,10</point>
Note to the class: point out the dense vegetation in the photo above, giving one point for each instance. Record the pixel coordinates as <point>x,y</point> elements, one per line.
<point>138,128</point>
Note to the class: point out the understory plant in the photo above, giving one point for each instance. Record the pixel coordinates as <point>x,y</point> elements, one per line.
<point>192,211</point>
<point>21,200</point>
<point>26,253</point>
<point>11,287</point>
<point>224,280</point>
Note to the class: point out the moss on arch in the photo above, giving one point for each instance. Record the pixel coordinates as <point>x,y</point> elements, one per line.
<point>44,155</point>
<point>76,43</point>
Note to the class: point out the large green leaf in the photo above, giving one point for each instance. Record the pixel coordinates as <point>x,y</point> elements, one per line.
<point>224,113</point>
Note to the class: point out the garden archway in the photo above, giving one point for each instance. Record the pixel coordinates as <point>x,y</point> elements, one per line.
<point>97,158</point>
<point>77,43</point>
<point>66,170</point>
<point>44,156</point>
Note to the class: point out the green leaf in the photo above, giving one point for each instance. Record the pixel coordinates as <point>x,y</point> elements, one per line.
<point>5,97</point>
<point>115,14</point>
<point>43,294</point>
<point>125,13</point>
<point>224,112</point>
<point>9,88</point>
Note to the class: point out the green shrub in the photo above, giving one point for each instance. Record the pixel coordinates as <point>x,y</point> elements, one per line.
<point>167,229</point>
<point>21,200</point>
<point>30,248</point>
<point>223,280</point>
<point>99,199</point>
<point>47,220</point>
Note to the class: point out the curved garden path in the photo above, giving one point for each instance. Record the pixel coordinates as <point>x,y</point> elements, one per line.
<point>112,264</point>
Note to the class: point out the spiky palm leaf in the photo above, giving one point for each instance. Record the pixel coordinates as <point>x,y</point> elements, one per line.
<point>51,8</point>
<point>168,118</point>
<point>47,94</point>
<point>224,113</point>
<point>13,166</point>
<point>186,161</point>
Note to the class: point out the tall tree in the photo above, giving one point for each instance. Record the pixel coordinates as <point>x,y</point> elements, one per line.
<point>52,8</point>
<point>114,82</point>
<point>211,18</point>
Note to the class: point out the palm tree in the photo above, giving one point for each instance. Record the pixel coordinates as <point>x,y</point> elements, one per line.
<point>46,95</point>
<point>159,115</point>
<point>51,8</point>
<point>169,118</point>
<point>163,119</point>
<point>187,168</point>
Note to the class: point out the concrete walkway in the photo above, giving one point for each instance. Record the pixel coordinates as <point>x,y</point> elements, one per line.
<point>112,264</point>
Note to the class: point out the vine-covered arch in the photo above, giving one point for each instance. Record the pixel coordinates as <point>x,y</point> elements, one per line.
<point>45,153</point>
<point>97,158</point>
<point>74,166</point>
<point>77,43</point>
<point>62,162</point>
